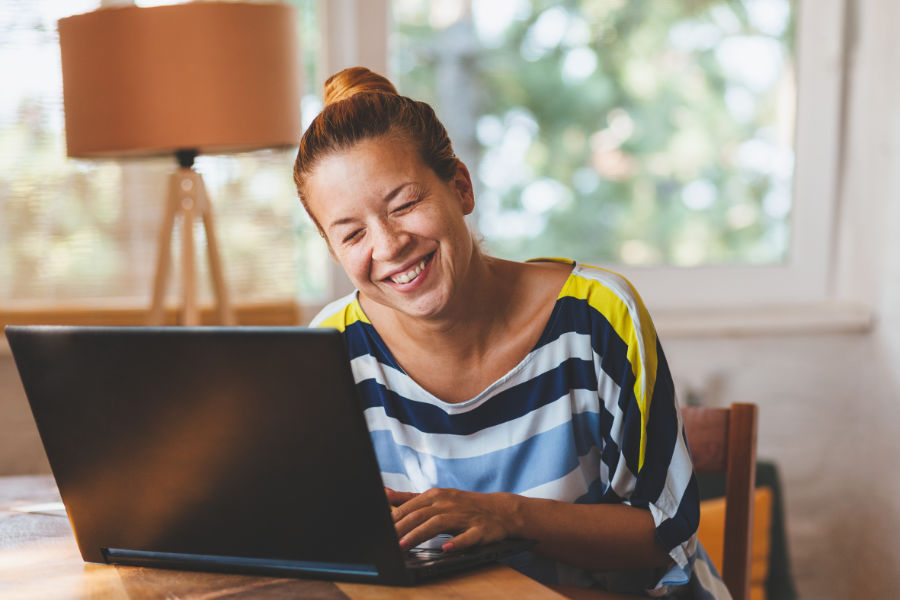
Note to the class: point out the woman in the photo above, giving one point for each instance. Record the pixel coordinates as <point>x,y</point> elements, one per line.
<point>504,399</point>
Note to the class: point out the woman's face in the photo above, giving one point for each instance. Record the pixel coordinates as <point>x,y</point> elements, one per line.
<point>396,228</point>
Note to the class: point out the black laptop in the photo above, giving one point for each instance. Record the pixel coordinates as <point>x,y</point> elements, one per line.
<point>226,449</point>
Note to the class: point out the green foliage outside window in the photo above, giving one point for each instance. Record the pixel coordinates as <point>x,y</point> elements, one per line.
<point>635,131</point>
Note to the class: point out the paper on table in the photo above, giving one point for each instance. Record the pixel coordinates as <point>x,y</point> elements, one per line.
<point>54,509</point>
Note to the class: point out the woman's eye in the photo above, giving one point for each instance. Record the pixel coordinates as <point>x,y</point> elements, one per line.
<point>405,206</point>
<point>352,236</point>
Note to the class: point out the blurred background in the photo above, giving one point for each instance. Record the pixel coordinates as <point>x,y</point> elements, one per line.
<point>735,158</point>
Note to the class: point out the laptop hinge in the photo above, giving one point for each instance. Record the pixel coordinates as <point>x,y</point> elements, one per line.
<point>209,561</point>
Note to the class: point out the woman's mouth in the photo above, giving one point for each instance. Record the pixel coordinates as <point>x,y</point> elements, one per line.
<point>411,274</point>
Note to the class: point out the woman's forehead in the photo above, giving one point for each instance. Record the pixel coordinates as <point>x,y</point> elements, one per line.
<point>379,160</point>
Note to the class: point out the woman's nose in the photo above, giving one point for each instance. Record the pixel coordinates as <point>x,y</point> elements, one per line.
<point>388,242</point>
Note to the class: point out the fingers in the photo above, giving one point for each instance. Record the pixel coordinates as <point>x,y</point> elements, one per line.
<point>474,518</point>
<point>396,498</point>
<point>414,502</point>
<point>429,528</point>
<point>470,537</point>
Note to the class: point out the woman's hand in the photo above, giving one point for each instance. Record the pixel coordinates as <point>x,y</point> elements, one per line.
<point>474,518</point>
<point>596,537</point>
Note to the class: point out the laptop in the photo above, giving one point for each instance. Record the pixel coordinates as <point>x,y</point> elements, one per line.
<point>223,449</point>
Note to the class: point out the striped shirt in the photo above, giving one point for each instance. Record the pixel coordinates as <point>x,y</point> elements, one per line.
<point>588,416</point>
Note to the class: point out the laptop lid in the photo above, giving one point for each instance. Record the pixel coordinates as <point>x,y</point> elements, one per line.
<point>242,448</point>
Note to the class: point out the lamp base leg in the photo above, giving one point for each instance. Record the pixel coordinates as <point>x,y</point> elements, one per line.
<point>187,197</point>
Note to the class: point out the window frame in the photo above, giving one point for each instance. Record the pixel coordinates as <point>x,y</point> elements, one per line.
<point>807,275</point>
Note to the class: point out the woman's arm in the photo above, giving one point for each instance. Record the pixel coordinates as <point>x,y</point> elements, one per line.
<point>597,537</point>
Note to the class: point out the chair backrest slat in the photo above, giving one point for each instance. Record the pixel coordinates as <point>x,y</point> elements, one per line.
<point>723,440</point>
<point>707,431</point>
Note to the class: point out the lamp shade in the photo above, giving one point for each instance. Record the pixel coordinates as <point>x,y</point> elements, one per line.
<point>215,77</point>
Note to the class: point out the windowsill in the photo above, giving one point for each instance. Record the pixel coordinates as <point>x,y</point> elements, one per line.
<point>813,319</point>
<point>818,319</point>
<point>275,313</point>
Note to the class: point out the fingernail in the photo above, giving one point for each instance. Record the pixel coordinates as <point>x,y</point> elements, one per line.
<point>447,547</point>
<point>403,543</point>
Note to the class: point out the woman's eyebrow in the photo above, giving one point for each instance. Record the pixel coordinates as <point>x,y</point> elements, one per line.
<point>343,221</point>
<point>394,192</point>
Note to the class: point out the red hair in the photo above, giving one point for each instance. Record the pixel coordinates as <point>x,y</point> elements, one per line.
<point>361,105</point>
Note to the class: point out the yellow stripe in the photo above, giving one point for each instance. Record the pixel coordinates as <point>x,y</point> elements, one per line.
<point>349,314</point>
<point>629,326</point>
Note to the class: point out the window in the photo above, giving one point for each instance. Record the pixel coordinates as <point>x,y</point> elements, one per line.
<point>84,232</point>
<point>655,136</point>
<point>612,178</point>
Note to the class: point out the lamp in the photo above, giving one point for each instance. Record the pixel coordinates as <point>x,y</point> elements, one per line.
<point>200,77</point>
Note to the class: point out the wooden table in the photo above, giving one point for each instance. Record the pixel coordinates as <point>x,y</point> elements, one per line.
<point>40,560</point>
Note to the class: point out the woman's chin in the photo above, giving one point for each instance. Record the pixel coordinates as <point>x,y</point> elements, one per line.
<point>429,304</point>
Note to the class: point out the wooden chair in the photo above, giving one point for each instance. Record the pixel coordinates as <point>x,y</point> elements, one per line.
<point>723,440</point>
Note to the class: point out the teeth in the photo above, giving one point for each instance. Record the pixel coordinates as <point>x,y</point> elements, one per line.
<point>409,275</point>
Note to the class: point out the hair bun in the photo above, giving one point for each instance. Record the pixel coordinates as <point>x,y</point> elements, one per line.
<point>355,80</point>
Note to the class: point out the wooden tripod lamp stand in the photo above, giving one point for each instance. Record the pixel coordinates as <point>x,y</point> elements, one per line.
<point>187,196</point>
<point>200,77</point>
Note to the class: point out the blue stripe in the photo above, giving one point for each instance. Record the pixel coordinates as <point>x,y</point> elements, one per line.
<point>362,339</point>
<point>507,405</point>
<point>699,591</point>
<point>576,315</point>
<point>595,493</point>
<point>549,456</point>
<point>586,430</point>
<point>662,434</point>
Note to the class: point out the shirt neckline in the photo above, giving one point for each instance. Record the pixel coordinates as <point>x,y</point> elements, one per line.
<point>487,391</point>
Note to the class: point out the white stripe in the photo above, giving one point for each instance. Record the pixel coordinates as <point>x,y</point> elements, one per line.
<point>623,480</point>
<point>678,475</point>
<point>709,581</point>
<point>609,391</point>
<point>398,482</point>
<point>546,358</point>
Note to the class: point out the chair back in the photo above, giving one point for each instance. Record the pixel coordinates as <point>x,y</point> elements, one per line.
<point>723,440</point>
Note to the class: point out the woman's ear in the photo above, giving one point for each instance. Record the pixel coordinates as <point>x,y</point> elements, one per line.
<point>462,182</point>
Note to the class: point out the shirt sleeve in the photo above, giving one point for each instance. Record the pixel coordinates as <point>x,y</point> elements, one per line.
<point>664,480</point>
<point>649,462</point>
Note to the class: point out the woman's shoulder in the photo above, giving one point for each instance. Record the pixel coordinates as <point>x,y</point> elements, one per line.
<point>597,286</point>
<point>340,313</point>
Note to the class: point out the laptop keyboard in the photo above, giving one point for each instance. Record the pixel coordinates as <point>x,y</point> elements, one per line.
<point>424,554</point>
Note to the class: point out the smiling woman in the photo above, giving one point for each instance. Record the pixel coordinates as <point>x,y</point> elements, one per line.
<point>504,399</point>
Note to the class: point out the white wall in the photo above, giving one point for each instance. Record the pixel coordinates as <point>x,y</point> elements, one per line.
<point>829,403</point>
